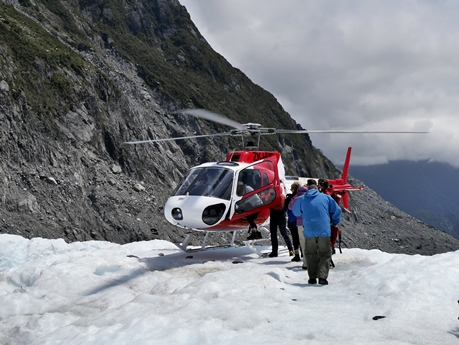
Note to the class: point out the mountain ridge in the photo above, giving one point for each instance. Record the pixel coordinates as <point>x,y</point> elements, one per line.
<point>426,190</point>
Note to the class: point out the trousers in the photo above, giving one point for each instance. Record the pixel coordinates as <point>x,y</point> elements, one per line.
<point>301,238</point>
<point>294,232</point>
<point>318,253</point>
<point>280,222</point>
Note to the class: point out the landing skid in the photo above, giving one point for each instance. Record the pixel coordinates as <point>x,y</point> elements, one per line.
<point>252,247</point>
<point>251,244</point>
<point>184,245</point>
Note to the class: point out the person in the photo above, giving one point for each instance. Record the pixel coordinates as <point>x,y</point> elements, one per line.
<point>255,234</point>
<point>291,221</point>
<point>325,187</point>
<point>317,209</point>
<point>201,186</point>
<point>248,204</point>
<point>277,218</point>
<point>299,221</point>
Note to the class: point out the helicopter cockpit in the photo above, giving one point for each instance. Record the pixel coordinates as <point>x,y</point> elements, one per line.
<point>208,181</point>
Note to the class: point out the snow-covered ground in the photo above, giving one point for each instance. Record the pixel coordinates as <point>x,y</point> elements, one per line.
<point>96,292</point>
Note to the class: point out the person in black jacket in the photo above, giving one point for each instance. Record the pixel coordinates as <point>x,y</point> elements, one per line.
<point>278,219</point>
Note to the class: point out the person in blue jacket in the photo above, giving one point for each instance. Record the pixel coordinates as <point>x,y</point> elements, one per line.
<point>318,211</point>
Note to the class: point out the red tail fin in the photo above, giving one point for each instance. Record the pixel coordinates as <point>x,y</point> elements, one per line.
<point>341,187</point>
<point>346,165</point>
<point>345,199</point>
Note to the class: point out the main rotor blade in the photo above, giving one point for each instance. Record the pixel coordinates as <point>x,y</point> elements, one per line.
<point>208,115</point>
<point>344,131</point>
<point>178,138</point>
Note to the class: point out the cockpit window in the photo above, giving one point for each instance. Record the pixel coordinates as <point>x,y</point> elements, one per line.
<point>213,181</point>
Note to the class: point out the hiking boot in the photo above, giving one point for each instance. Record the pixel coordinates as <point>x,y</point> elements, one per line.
<point>296,258</point>
<point>255,235</point>
<point>291,253</point>
<point>272,255</point>
<point>323,281</point>
<point>312,281</point>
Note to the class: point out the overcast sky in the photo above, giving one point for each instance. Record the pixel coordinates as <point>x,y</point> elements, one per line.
<point>356,65</point>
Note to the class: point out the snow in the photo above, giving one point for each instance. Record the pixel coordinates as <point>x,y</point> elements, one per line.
<point>52,292</point>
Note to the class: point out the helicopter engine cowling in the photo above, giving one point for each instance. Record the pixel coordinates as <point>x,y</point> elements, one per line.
<point>195,212</point>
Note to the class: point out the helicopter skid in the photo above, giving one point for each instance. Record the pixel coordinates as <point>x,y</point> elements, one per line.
<point>184,245</point>
<point>251,245</point>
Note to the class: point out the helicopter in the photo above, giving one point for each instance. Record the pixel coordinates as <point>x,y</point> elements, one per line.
<point>228,195</point>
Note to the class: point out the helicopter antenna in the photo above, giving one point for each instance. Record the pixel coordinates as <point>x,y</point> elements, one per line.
<point>232,153</point>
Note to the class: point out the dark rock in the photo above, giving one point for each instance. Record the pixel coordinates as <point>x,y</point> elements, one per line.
<point>377,317</point>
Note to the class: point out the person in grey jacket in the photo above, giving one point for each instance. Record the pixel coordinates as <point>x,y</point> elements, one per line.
<point>317,210</point>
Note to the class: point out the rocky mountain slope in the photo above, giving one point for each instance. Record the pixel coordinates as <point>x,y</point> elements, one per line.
<point>79,78</point>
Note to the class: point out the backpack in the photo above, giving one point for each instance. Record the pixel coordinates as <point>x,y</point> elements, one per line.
<point>280,205</point>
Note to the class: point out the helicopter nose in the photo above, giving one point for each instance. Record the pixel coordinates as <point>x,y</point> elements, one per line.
<point>195,212</point>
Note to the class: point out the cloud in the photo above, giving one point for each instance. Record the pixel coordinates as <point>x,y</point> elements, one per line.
<point>350,65</point>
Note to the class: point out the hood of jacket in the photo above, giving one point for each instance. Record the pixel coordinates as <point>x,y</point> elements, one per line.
<point>302,190</point>
<point>312,193</point>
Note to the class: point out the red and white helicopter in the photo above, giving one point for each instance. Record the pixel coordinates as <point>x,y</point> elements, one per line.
<point>224,196</point>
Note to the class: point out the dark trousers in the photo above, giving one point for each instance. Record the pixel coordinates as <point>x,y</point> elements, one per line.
<point>280,222</point>
<point>294,232</point>
<point>318,252</point>
<point>251,220</point>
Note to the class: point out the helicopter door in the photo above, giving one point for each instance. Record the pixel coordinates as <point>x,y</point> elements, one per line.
<point>254,187</point>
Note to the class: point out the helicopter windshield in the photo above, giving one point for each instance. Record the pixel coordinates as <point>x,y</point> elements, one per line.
<point>212,181</point>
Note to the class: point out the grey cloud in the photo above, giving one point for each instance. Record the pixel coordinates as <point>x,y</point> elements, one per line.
<point>350,65</point>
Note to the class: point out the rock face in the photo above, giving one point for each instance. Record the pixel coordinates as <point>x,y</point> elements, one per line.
<point>77,79</point>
